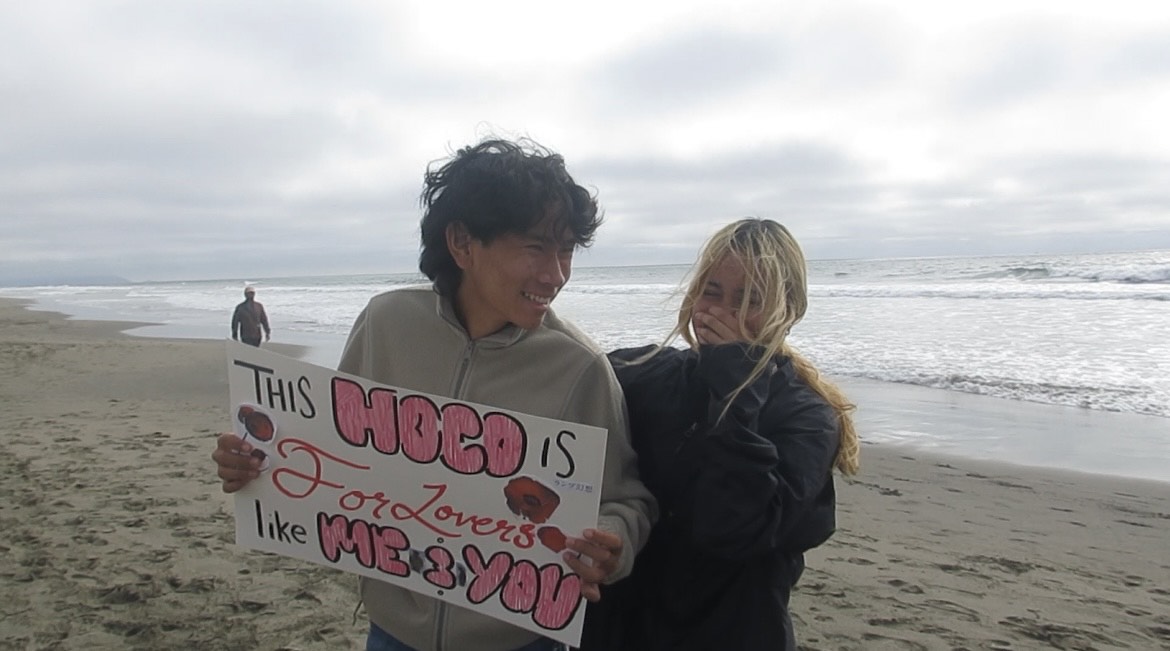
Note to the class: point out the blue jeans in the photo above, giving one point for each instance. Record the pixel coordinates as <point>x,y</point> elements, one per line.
<point>380,640</point>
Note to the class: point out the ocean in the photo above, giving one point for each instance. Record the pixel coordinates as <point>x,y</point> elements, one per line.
<point>1080,331</point>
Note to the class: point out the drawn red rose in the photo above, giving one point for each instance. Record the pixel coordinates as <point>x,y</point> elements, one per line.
<point>531,499</point>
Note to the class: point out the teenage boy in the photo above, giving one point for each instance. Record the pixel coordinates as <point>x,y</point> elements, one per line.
<point>500,225</point>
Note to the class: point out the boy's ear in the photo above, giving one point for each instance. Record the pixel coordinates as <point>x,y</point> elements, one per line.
<point>459,244</point>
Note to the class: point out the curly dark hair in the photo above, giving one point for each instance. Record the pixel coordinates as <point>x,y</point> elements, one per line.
<point>494,188</point>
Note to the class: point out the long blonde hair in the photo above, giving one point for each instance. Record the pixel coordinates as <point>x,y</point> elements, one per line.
<point>777,278</point>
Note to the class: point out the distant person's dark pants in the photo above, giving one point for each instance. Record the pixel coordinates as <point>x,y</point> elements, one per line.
<point>250,341</point>
<point>380,640</point>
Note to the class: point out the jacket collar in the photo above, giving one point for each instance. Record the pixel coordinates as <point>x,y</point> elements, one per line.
<point>506,336</point>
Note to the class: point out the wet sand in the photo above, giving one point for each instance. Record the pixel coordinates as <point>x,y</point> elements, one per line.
<point>937,553</point>
<point>114,535</point>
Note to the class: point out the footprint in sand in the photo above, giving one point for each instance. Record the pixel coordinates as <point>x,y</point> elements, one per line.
<point>90,540</point>
<point>248,606</point>
<point>1161,593</point>
<point>305,595</point>
<point>1160,632</point>
<point>1060,636</point>
<point>1005,564</point>
<point>887,642</point>
<point>196,585</point>
<point>177,520</point>
<point>120,594</point>
<point>908,588</point>
<point>888,621</point>
<point>955,609</point>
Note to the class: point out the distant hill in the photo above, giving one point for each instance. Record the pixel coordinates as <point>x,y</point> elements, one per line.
<point>36,281</point>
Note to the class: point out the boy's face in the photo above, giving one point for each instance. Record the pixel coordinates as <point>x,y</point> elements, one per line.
<point>514,279</point>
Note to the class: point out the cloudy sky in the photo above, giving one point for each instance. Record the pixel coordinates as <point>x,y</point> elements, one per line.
<point>172,139</point>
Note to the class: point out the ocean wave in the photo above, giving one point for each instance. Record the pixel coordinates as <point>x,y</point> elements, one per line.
<point>657,289</point>
<point>1140,400</point>
<point>1019,273</point>
<point>993,292</point>
<point>1127,274</point>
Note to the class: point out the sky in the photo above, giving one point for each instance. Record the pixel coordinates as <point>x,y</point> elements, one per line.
<point>191,139</point>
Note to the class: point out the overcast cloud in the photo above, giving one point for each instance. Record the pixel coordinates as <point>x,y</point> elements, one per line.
<point>219,139</point>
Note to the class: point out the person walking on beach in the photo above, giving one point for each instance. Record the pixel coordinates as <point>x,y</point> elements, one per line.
<point>737,437</point>
<point>500,225</point>
<point>249,318</point>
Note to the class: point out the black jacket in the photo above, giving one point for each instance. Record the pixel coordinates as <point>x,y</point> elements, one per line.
<point>740,501</point>
<point>247,321</point>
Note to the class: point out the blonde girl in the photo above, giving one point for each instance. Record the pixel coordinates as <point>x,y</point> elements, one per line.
<point>737,436</point>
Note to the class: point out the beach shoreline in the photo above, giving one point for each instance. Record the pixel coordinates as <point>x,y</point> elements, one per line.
<point>115,535</point>
<point>1015,431</point>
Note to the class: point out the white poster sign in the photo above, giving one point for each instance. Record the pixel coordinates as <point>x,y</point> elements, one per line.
<point>463,502</point>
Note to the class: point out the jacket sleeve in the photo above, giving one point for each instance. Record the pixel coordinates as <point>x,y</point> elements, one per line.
<point>236,323</point>
<point>751,482</point>
<point>627,507</point>
<point>264,321</point>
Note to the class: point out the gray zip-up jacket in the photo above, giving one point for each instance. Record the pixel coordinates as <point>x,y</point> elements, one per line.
<point>410,338</point>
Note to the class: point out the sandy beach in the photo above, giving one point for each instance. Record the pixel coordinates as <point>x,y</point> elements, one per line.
<point>114,534</point>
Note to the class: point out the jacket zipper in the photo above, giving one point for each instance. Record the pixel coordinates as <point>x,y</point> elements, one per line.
<point>468,351</point>
<point>460,378</point>
<point>686,438</point>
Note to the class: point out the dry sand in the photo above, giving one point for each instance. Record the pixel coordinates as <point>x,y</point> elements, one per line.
<point>113,531</point>
<point>114,535</point>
